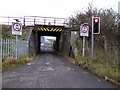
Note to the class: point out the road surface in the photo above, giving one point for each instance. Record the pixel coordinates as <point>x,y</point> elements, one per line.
<point>49,70</point>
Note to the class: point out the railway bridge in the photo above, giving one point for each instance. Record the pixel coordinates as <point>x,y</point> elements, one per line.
<point>36,26</point>
<point>48,26</point>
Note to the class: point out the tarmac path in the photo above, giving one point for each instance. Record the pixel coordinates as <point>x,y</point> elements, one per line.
<point>50,70</point>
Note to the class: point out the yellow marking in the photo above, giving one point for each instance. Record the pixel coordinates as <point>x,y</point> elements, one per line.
<point>44,29</point>
<point>54,30</point>
<point>60,30</point>
<point>47,29</point>
<point>51,29</point>
<point>39,29</point>
<point>57,30</point>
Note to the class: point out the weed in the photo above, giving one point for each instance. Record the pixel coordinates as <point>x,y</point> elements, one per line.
<point>11,63</point>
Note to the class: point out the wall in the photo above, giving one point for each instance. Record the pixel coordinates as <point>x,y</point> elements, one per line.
<point>33,43</point>
<point>65,42</point>
<point>74,37</point>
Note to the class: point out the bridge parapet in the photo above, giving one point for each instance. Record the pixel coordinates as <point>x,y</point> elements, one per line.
<point>35,20</point>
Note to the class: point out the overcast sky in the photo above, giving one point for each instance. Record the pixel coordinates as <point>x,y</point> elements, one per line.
<point>50,8</point>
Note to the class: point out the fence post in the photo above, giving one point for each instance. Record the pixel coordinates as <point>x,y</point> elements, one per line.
<point>3,41</point>
<point>1,49</point>
<point>12,48</point>
<point>8,47</point>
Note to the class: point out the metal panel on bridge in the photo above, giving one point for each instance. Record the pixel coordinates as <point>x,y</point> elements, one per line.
<point>50,29</point>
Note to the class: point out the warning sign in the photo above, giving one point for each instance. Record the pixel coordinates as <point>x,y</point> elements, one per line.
<point>84,30</point>
<point>16,28</point>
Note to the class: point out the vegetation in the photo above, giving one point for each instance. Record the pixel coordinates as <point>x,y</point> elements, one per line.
<point>101,69</point>
<point>12,63</point>
<point>7,33</point>
<point>106,46</point>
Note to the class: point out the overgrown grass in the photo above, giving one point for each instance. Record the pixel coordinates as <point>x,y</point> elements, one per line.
<point>105,69</point>
<point>105,63</point>
<point>12,63</point>
<point>102,69</point>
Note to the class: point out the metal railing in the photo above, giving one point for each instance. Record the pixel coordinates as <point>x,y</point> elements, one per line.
<point>7,20</point>
<point>8,48</point>
<point>33,20</point>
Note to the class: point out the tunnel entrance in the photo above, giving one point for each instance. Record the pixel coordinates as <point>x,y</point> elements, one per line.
<point>48,41</point>
<point>61,43</point>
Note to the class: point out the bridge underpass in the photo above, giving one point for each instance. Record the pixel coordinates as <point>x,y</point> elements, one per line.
<point>62,34</point>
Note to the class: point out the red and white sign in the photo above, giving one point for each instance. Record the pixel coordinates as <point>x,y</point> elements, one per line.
<point>84,30</point>
<point>16,28</point>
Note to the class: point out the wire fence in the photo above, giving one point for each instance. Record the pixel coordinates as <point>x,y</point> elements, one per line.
<point>8,48</point>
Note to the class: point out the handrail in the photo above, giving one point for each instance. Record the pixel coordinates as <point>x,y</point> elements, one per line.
<point>33,20</point>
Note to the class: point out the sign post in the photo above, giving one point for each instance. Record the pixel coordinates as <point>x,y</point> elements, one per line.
<point>83,50</point>
<point>16,54</point>
<point>84,31</point>
<point>92,44</point>
<point>16,30</point>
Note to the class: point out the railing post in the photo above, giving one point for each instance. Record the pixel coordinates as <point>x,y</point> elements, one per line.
<point>44,21</point>
<point>8,20</point>
<point>54,21</point>
<point>64,23</point>
<point>34,21</point>
<point>24,21</point>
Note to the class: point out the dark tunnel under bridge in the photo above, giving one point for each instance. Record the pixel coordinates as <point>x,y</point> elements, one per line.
<point>61,33</point>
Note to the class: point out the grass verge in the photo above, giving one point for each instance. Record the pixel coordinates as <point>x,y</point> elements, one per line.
<point>12,63</point>
<point>107,71</point>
